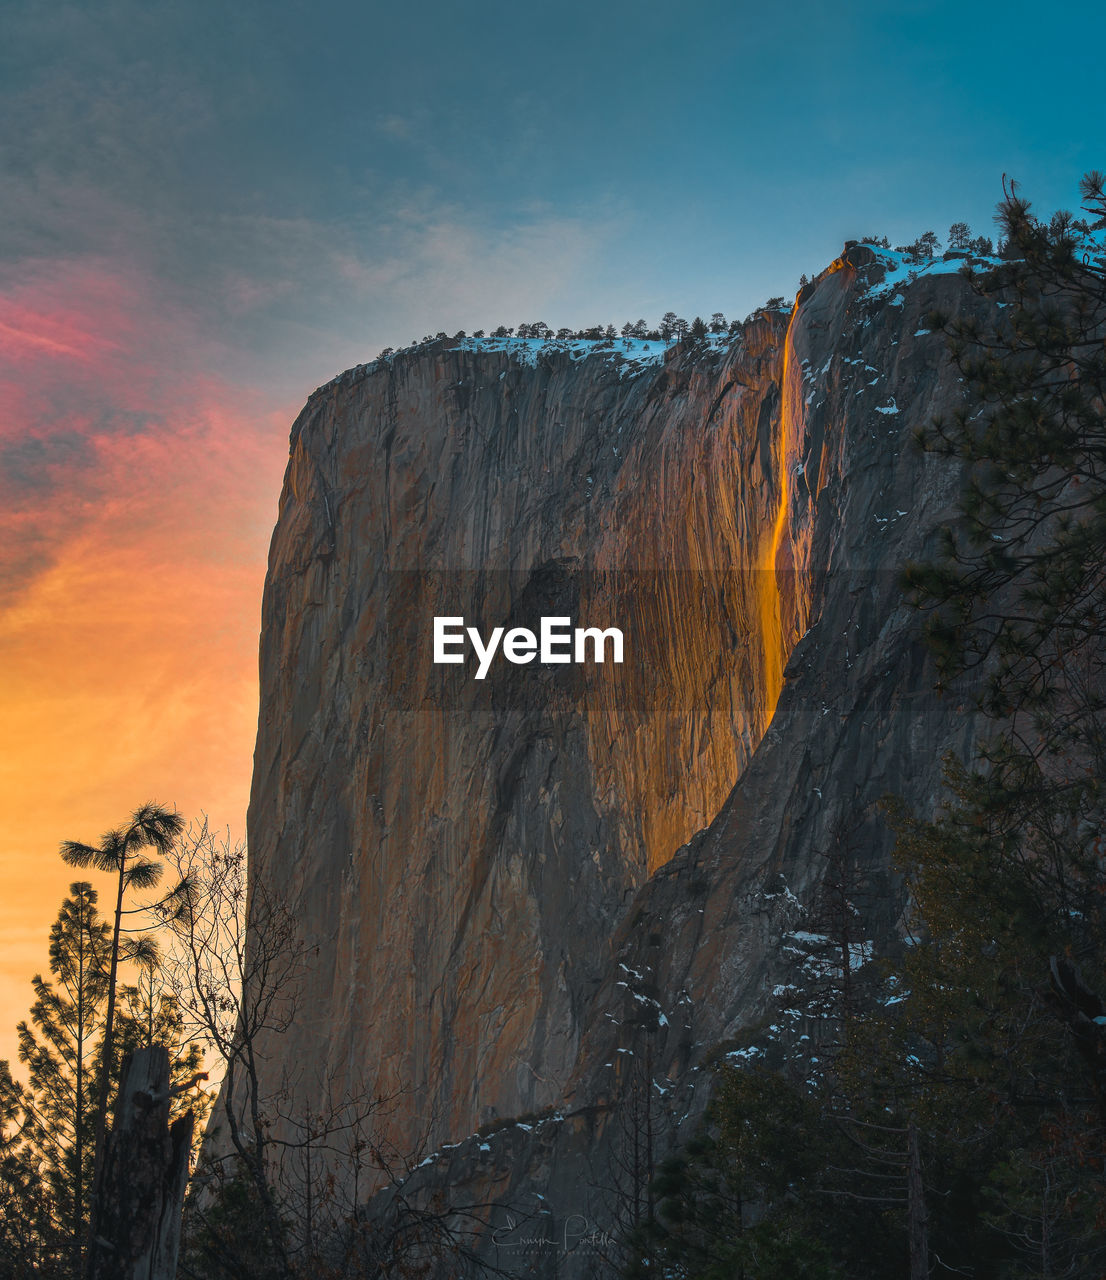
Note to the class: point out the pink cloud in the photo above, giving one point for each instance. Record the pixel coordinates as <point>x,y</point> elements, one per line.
<point>54,313</point>
<point>139,493</point>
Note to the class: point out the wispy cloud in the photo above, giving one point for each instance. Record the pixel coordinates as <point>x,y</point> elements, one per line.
<point>137,489</point>
<point>168,298</point>
<point>396,126</point>
<point>144,411</point>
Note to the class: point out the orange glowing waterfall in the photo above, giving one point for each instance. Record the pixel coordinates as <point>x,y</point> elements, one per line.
<point>771,602</point>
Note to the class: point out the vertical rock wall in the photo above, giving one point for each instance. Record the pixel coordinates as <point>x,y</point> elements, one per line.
<point>481,864</point>
<point>458,850</point>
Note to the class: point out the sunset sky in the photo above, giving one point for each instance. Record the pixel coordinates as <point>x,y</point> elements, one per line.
<point>208,210</point>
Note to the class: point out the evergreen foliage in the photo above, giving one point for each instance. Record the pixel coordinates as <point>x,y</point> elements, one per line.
<point>756,1193</point>
<point>121,853</point>
<point>960,235</point>
<point>31,1241</point>
<point>58,1047</point>
<point>957,1123</point>
<point>47,1129</point>
<point>230,1234</point>
<point>1010,880</point>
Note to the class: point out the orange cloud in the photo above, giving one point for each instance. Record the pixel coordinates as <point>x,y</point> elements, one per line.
<point>138,494</point>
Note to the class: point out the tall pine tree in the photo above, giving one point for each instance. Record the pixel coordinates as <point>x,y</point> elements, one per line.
<point>122,853</point>
<point>58,1047</point>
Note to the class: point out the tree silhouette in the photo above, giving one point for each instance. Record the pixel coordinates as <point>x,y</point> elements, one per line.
<point>121,853</point>
<point>58,1050</point>
<point>960,236</point>
<point>30,1245</point>
<point>61,1065</point>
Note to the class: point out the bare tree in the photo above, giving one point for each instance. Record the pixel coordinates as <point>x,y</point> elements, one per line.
<point>296,1178</point>
<point>232,994</point>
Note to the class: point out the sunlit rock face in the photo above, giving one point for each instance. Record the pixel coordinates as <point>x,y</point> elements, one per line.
<point>461,850</point>
<point>483,866</point>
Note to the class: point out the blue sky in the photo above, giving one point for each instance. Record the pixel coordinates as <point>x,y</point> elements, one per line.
<point>326,179</point>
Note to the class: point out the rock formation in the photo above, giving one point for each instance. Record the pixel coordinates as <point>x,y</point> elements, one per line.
<point>517,891</point>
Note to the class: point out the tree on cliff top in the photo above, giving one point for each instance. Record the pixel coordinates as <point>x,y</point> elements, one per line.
<point>960,237</point>
<point>1022,576</point>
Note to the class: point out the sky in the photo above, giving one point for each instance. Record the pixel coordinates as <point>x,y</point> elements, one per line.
<point>208,210</point>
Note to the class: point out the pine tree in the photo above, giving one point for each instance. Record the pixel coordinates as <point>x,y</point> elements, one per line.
<point>753,1194</point>
<point>121,853</point>
<point>31,1244</point>
<point>924,249</point>
<point>47,1130</point>
<point>1007,1006</point>
<point>58,1048</point>
<point>960,235</point>
<point>976,1046</point>
<point>1021,579</point>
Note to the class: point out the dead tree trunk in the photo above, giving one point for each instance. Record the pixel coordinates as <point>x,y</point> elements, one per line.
<point>917,1214</point>
<point>136,1217</point>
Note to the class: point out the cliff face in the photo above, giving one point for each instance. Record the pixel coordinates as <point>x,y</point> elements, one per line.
<point>465,847</point>
<point>499,876</point>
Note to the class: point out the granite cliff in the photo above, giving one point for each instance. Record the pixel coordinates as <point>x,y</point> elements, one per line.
<point>534,893</point>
